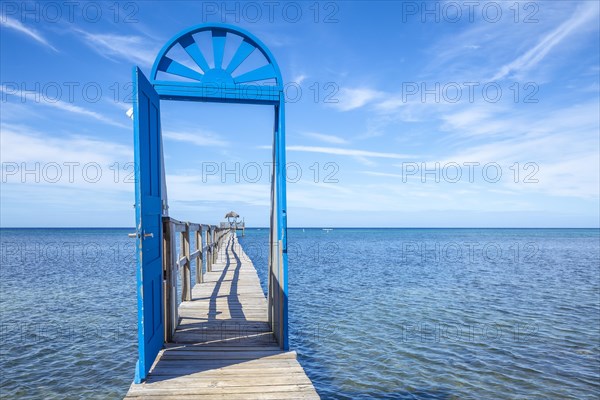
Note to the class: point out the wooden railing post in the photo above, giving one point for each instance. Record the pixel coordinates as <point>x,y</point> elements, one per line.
<point>219,241</point>
<point>166,225</point>
<point>199,275</point>
<point>215,252</point>
<point>170,278</point>
<point>209,249</point>
<point>186,273</point>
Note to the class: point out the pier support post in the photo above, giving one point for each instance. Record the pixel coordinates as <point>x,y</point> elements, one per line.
<point>215,252</point>
<point>199,262</point>
<point>170,279</point>
<point>209,249</point>
<point>186,273</point>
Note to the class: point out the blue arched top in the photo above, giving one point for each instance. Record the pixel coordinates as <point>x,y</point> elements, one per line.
<point>223,81</point>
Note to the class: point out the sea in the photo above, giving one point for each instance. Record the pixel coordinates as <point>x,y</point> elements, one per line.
<point>373,313</point>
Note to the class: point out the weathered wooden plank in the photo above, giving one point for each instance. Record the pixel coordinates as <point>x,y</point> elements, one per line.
<point>183,389</point>
<point>222,355</point>
<point>222,339</point>
<point>220,348</point>
<point>206,366</point>
<point>237,383</point>
<point>302,392</point>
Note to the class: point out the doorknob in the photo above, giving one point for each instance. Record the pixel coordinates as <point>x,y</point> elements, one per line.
<point>133,235</point>
<point>148,234</point>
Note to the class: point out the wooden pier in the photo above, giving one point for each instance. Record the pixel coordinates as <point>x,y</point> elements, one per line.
<point>222,346</point>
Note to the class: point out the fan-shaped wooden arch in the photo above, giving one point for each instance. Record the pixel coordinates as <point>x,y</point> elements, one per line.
<point>199,73</point>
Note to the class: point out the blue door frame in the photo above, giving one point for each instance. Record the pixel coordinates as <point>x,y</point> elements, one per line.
<point>209,81</point>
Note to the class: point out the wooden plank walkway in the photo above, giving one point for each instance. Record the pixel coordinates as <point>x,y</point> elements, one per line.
<point>223,346</point>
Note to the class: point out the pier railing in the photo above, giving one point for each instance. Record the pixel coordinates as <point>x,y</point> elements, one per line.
<point>237,225</point>
<point>178,259</point>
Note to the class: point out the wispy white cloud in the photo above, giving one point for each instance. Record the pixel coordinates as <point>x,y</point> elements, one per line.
<point>183,187</point>
<point>21,143</point>
<point>137,49</point>
<point>298,79</point>
<point>383,197</point>
<point>345,152</point>
<point>479,120</point>
<point>198,138</point>
<point>563,146</point>
<point>382,174</point>
<point>326,138</point>
<point>68,180</point>
<point>391,103</point>
<point>353,98</point>
<point>18,26</point>
<point>583,14</point>
<point>64,106</point>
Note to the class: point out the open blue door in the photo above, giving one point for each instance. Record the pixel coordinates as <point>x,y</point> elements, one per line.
<point>148,218</point>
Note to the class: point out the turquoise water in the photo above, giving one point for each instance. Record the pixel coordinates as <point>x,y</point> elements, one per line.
<point>374,313</point>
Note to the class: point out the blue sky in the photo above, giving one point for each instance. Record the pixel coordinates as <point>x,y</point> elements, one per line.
<point>399,114</point>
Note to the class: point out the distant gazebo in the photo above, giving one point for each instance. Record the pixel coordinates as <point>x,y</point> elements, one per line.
<point>232,217</point>
<point>234,224</point>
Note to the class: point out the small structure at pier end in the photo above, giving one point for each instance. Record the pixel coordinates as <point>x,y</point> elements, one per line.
<point>233,223</point>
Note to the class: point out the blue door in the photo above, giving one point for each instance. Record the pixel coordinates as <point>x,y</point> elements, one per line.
<point>148,218</point>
